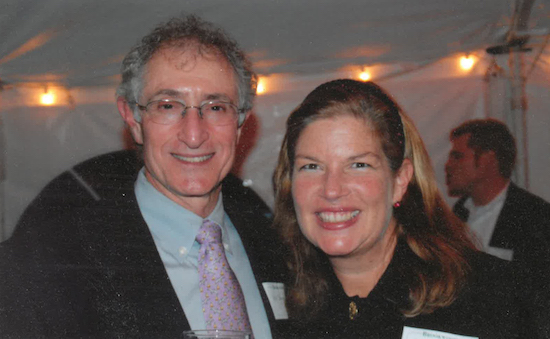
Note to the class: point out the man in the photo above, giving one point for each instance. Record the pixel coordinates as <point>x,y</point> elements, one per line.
<point>114,251</point>
<point>508,221</point>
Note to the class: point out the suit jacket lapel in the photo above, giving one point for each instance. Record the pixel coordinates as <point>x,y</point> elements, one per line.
<point>145,289</point>
<point>252,220</point>
<point>506,226</point>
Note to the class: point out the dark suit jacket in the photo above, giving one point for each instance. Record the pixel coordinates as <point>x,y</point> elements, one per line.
<point>84,264</point>
<point>524,227</point>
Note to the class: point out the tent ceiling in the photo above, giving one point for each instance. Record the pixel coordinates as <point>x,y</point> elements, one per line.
<point>81,43</point>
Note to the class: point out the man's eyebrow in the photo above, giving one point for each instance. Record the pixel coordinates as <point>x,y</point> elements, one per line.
<point>219,96</point>
<point>177,94</point>
<point>168,92</point>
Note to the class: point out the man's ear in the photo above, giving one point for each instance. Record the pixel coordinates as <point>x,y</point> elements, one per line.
<point>241,122</point>
<point>242,118</point>
<point>128,116</point>
<point>402,179</point>
<point>486,160</point>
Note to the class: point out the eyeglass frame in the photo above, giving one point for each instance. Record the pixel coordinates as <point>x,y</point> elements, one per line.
<point>241,114</point>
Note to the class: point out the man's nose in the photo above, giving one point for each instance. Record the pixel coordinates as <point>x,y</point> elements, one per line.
<point>193,128</point>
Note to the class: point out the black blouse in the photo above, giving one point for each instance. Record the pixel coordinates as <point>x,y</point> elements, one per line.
<point>488,307</point>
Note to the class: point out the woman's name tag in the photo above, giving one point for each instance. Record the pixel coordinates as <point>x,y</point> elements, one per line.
<point>420,333</point>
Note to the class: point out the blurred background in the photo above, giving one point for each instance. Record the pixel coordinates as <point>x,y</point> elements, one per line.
<point>444,62</point>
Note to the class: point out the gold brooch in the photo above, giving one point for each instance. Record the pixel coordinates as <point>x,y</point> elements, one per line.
<point>353,310</point>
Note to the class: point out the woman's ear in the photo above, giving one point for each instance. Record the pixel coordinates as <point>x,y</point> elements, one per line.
<point>128,116</point>
<point>402,179</point>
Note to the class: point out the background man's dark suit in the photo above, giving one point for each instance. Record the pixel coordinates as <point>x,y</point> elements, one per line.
<point>92,268</point>
<point>523,226</point>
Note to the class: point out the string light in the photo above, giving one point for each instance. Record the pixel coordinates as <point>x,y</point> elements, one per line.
<point>261,88</point>
<point>467,62</point>
<point>47,98</point>
<point>365,75</point>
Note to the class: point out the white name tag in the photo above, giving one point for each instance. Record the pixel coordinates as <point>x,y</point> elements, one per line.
<point>501,253</point>
<point>276,294</point>
<point>420,333</point>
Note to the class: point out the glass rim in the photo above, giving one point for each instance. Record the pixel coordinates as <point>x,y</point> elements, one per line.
<point>204,103</point>
<point>222,333</point>
<point>236,116</point>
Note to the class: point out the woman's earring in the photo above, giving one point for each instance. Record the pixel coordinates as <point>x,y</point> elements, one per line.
<point>396,204</point>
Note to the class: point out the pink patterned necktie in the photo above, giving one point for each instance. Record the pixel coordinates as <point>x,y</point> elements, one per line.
<point>223,303</point>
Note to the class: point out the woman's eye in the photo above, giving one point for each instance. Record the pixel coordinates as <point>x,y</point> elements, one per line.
<point>309,167</point>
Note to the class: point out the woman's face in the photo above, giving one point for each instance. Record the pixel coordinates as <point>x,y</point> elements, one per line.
<point>343,188</point>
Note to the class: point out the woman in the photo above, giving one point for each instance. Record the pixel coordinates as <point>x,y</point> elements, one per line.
<point>376,252</point>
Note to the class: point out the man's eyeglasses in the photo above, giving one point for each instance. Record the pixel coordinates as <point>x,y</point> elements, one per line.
<point>168,111</point>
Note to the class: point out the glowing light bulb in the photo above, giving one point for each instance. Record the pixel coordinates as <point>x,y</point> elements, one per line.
<point>260,89</point>
<point>47,99</point>
<point>466,62</point>
<point>364,76</point>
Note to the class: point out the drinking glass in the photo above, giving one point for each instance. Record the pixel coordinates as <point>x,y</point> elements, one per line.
<point>219,334</point>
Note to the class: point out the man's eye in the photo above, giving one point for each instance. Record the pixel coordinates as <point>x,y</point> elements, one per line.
<point>360,165</point>
<point>164,106</point>
<point>217,108</point>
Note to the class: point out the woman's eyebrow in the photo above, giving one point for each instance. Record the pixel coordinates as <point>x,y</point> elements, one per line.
<point>305,157</point>
<point>363,155</point>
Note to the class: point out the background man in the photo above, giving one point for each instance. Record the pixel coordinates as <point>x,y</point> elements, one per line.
<point>508,221</point>
<point>110,249</point>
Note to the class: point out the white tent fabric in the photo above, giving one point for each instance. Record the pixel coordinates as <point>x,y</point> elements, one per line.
<point>82,42</point>
<point>411,49</point>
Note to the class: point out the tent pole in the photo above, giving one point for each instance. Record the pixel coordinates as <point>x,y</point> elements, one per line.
<point>517,119</point>
<point>2,178</point>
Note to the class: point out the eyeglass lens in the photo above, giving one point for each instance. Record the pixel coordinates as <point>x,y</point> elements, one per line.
<point>168,112</point>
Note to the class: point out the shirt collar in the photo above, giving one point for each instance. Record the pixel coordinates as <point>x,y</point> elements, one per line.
<point>497,201</point>
<point>173,227</point>
<point>394,283</point>
<point>218,216</point>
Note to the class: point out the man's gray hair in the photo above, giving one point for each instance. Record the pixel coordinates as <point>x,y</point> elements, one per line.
<point>182,32</point>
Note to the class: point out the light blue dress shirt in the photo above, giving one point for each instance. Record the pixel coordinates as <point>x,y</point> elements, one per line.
<point>174,230</point>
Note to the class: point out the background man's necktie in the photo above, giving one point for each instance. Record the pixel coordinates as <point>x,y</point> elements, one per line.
<point>222,298</point>
<point>462,212</point>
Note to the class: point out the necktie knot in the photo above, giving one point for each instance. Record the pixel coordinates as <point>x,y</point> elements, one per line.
<point>209,233</point>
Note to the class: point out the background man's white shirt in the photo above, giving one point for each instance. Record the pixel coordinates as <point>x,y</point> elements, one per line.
<point>482,221</point>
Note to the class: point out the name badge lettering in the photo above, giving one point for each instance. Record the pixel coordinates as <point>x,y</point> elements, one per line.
<point>420,333</point>
<point>276,294</point>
